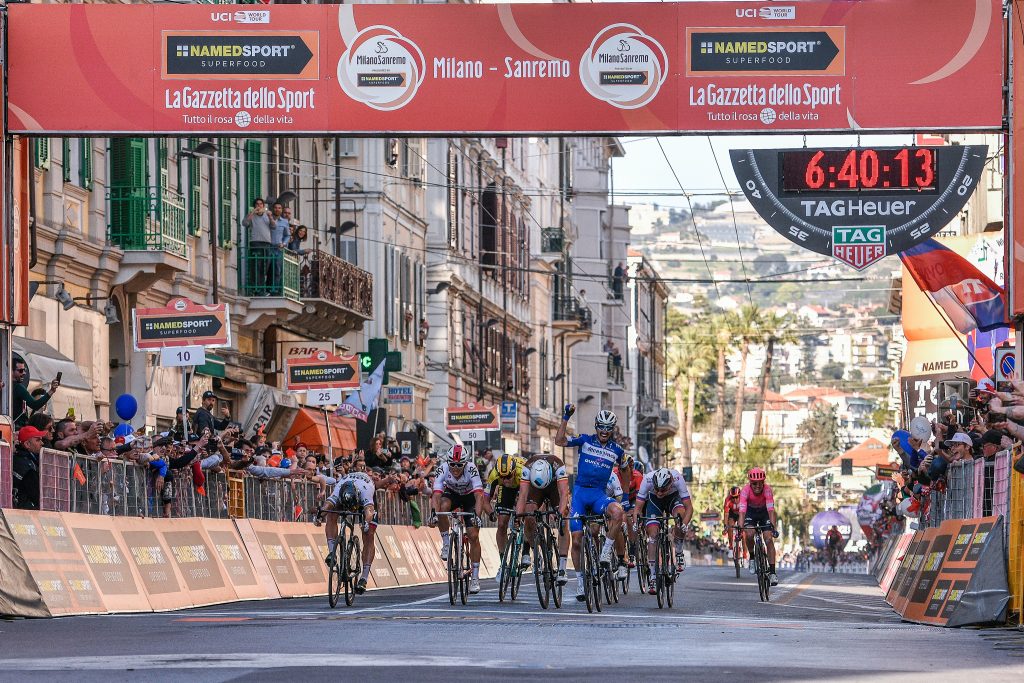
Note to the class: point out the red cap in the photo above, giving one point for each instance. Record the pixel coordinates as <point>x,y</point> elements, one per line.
<point>29,432</point>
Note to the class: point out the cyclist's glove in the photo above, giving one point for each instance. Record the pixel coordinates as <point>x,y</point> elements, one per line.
<point>433,520</point>
<point>477,520</point>
<point>366,526</point>
<point>568,411</point>
<point>775,533</point>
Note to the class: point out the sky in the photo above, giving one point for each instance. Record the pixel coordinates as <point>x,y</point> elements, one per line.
<point>645,172</point>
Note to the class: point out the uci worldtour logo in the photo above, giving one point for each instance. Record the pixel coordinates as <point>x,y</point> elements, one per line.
<point>624,66</point>
<point>381,68</point>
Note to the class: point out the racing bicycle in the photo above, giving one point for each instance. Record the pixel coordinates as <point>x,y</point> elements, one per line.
<point>345,562</point>
<point>460,567</point>
<point>545,567</point>
<point>643,577</point>
<point>737,547</point>
<point>511,567</point>
<point>590,563</point>
<point>759,560</point>
<point>665,570</point>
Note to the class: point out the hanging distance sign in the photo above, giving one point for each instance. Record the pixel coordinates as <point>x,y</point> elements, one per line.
<point>859,205</point>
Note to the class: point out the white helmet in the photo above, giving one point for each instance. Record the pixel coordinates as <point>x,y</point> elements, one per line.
<point>541,474</point>
<point>605,420</point>
<point>662,478</point>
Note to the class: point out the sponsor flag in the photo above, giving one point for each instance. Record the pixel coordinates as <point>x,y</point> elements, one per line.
<point>360,404</point>
<point>967,296</point>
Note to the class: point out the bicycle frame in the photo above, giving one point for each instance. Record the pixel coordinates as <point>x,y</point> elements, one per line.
<point>759,558</point>
<point>346,559</point>
<point>459,563</point>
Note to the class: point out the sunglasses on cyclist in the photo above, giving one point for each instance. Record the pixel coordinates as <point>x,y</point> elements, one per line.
<point>457,465</point>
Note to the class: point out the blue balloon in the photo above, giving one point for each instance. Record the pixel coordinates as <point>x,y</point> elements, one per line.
<point>123,429</point>
<point>126,406</point>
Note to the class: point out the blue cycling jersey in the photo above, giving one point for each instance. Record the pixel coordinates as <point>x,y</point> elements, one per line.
<point>596,461</point>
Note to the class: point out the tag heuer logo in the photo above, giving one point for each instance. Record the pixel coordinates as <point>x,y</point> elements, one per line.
<point>858,245</point>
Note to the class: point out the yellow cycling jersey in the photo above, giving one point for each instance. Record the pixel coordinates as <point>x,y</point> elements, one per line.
<point>516,476</point>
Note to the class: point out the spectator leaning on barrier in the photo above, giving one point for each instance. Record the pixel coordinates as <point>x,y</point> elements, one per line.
<point>26,468</point>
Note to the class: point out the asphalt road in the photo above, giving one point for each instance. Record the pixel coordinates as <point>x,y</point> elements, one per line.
<point>818,627</point>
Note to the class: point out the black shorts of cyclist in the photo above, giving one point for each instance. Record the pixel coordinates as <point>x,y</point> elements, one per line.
<point>507,497</point>
<point>757,517</point>
<point>462,501</point>
<point>661,507</point>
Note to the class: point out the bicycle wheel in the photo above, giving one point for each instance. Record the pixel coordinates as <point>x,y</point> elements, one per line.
<point>552,561</point>
<point>334,582</point>
<point>659,573</point>
<point>584,571</point>
<point>670,574</point>
<point>594,576</point>
<point>507,571</point>
<point>467,570</point>
<point>454,580</point>
<point>353,567</point>
<point>643,578</point>
<point>517,576</point>
<point>736,556</point>
<point>541,571</point>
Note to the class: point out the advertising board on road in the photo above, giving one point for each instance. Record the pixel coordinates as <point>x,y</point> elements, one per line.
<point>181,323</point>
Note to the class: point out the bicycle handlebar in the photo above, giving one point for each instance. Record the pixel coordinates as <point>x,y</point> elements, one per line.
<point>455,514</point>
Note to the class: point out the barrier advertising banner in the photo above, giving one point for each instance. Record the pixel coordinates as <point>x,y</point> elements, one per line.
<point>600,68</point>
<point>953,575</point>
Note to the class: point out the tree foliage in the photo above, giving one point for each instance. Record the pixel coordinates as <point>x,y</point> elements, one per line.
<point>821,431</point>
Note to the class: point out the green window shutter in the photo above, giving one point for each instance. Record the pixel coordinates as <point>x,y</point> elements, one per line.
<point>138,162</point>
<point>161,151</point>
<point>85,163</point>
<point>42,153</point>
<point>130,203</point>
<point>253,171</point>
<point>195,202</point>
<point>226,185</point>
<point>65,158</point>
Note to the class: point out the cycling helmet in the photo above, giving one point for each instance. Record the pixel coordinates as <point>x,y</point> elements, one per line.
<point>348,497</point>
<point>605,421</point>
<point>756,474</point>
<point>541,474</point>
<point>638,466</point>
<point>457,455</point>
<point>734,491</point>
<point>627,460</point>
<point>506,466</point>
<point>662,478</point>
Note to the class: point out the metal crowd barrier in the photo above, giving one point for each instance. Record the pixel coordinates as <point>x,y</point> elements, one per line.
<point>77,483</point>
<point>974,488</point>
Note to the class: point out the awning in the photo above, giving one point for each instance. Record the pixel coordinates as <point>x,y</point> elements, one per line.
<point>311,428</point>
<point>270,408</point>
<point>439,433</point>
<point>44,362</point>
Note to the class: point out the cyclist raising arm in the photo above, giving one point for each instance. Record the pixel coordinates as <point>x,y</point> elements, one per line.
<point>458,486</point>
<point>598,454</point>
<point>757,507</point>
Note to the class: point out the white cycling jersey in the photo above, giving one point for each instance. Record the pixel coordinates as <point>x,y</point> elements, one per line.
<point>469,482</point>
<point>363,483</point>
<point>678,486</point>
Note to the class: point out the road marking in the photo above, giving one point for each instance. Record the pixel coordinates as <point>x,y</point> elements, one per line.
<point>213,620</point>
<point>252,660</point>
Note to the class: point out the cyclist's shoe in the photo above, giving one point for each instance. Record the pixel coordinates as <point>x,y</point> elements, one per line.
<point>753,569</point>
<point>621,572</point>
<point>444,551</point>
<point>631,563</point>
<point>329,560</point>
<point>361,587</point>
<point>606,557</point>
<point>731,555</point>
<point>581,596</point>
<point>680,563</point>
<point>474,585</point>
<point>561,579</point>
<point>524,561</point>
<point>774,579</point>
<point>652,590</point>
<point>497,577</point>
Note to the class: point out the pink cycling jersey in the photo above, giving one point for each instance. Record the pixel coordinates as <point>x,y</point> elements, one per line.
<point>764,501</point>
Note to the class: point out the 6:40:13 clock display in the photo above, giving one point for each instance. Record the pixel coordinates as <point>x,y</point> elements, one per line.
<point>862,169</point>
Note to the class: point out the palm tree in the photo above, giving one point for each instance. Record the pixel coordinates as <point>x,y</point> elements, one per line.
<point>777,330</point>
<point>721,330</point>
<point>690,358</point>
<point>746,328</point>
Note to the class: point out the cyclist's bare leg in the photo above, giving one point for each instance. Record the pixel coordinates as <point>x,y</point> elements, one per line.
<point>444,523</point>
<point>473,535</point>
<point>769,543</point>
<point>615,516</point>
<point>502,533</point>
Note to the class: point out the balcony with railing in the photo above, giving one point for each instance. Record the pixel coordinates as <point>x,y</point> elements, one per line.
<point>668,423</point>
<point>337,296</point>
<point>552,240</point>
<point>569,314</point>
<point>149,225</point>
<point>270,278</point>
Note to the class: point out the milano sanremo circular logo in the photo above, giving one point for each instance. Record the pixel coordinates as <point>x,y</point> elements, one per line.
<point>624,66</point>
<point>381,68</point>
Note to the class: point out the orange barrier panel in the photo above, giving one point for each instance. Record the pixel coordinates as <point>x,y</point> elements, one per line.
<point>196,558</point>
<point>118,581</point>
<point>405,537</point>
<point>953,575</point>
<point>160,574</point>
<point>19,592</point>
<point>278,558</point>
<point>382,571</point>
<point>408,568</point>
<point>56,563</point>
<point>489,556</point>
<point>898,550</point>
<point>428,544</point>
<point>239,569</point>
<point>264,573</point>
<point>306,556</point>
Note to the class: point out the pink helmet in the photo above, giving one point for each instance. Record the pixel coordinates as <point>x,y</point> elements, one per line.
<point>756,474</point>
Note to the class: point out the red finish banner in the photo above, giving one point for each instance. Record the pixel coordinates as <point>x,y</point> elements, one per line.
<point>522,68</point>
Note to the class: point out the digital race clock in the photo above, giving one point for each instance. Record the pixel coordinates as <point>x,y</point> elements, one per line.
<point>861,204</point>
<point>859,170</point>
